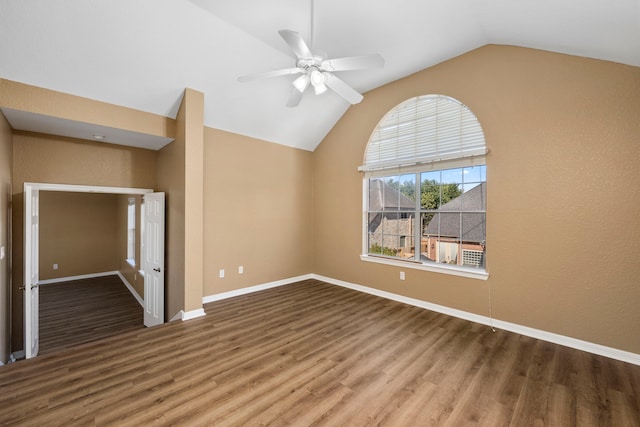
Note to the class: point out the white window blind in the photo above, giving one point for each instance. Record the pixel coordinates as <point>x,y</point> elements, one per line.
<point>424,129</point>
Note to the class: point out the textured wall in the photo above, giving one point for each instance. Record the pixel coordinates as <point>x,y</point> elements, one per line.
<point>49,159</point>
<point>6,160</point>
<point>563,138</point>
<point>257,211</point>
<point>562,204</point>
<point>180,176</point>
<point>78,231</point>
<point>23,97</point>
<point>171,181</point>
<point>194,199</point>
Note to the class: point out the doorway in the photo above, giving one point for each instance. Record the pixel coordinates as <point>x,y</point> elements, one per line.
<point>152,254</point>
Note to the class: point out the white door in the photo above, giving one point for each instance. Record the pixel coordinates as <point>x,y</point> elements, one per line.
<point>153,258</point>
<point>31,294</point>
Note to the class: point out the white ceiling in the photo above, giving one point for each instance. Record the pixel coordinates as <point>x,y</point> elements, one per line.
<point>143,53</point>
<point>22,120</point>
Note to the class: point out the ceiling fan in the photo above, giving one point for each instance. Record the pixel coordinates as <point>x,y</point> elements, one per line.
<point>317,70</point>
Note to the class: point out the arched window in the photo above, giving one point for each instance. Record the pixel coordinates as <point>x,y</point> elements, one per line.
<point>425,188</point>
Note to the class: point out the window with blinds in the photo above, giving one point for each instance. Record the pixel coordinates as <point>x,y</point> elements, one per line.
<point>425,188</point>
<point>424,129</point>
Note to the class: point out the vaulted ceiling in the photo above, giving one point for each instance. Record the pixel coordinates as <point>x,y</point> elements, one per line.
<point>143,53</point>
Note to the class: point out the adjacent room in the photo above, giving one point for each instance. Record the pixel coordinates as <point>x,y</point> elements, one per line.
<point>319,213</point>
<point>88,241</point>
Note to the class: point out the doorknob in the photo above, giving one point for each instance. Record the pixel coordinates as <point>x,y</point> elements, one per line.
<point>157,270</point>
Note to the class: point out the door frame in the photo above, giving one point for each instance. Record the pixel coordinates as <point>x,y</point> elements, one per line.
<point>32,246</point>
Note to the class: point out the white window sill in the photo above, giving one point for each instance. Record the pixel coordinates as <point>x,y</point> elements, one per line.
<point>131,262</point>
<point>436,268</point>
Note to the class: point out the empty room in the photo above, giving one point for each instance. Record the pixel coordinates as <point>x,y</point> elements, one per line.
<point>316,212</point>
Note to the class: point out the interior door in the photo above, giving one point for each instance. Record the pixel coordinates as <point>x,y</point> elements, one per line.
<point>30,288</point>
<point>153,258</point>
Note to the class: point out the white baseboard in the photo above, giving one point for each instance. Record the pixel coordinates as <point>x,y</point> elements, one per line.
<point>94,275</point>
<point>177,316</point>
<point>589,347</point>
<point>193,314</point>
<point>131,289</point>
<point>251,289</point>
<point>80,277</point>
<point>407,300</point>
<point>188,315</point>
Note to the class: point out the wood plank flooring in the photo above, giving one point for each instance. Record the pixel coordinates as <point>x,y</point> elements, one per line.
<point>316,354</point>
<point>86,310</point>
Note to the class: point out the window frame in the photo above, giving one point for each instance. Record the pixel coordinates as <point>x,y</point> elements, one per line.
<point>131,232</point>
<point>457,270</point>
<point>417,167</point>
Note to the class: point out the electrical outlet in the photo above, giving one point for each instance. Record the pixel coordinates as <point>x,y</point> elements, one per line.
<point>240,270</point>
<point>402,275</point>
<point>221,274</point>
<point>55,266</point>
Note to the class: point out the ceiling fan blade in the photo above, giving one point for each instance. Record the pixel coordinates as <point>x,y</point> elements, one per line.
<point>296,43</point>
<point>276,73</point>
<point>294,98</point>
<point>353,63</point>
<point>342,89</point>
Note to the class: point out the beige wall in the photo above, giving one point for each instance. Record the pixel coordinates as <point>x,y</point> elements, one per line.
<point>78,231</point>
<point>180,166</point>
<point>193,106</point>
<point>6,160</point>
<point>257,210</point>
<point>50,159</point>
<point>171,181</point>
<point>562,205</point>
<point>563,138</point>
<point>23,97</point>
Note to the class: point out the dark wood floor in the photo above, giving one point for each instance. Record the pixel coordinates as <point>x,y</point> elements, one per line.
<point>316,354</point>
<point>86,310</point>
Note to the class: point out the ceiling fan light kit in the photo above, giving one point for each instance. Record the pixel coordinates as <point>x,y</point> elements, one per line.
<point>301,83</point>
<point>316,77</point>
